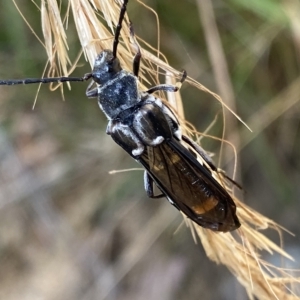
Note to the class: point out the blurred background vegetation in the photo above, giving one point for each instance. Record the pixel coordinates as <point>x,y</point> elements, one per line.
<point>68,230</point>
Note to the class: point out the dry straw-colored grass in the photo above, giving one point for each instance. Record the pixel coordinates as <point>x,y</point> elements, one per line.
<point>238,251</point>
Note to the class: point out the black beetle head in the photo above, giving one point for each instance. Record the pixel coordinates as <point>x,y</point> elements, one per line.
<point>106,66</point>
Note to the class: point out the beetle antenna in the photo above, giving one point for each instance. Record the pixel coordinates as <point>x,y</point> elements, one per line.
<point>45,80</point>
<point>119,27</point>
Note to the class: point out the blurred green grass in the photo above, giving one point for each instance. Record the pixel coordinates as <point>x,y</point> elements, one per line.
<point>71,231</point>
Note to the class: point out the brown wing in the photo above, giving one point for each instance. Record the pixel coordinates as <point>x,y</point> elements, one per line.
<point>189,186</point>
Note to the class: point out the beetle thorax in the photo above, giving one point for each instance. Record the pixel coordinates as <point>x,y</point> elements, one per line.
<point>118,94</point>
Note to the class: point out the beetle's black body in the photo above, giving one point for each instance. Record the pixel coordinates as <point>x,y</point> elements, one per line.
<point>149,131</point>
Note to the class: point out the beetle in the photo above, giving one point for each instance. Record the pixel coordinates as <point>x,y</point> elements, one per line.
<point>149,131</point>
